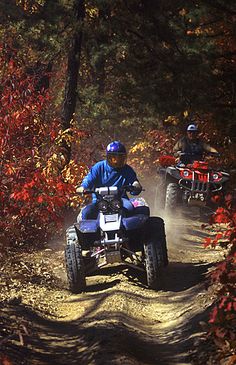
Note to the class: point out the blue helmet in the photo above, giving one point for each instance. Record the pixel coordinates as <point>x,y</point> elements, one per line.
<point>116,154</point>
<point>116,147</point>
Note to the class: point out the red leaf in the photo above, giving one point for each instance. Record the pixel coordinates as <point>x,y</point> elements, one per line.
<point>207,241</point>
<point>213,315</point>
<point>220,333</point>
<point>5,360</point>
<point>221,216</point>
<point>40,199</point>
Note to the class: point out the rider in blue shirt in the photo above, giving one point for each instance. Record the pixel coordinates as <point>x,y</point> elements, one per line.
<point>110,172</point>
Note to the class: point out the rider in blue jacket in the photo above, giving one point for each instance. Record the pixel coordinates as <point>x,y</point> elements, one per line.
<point>113,171</point>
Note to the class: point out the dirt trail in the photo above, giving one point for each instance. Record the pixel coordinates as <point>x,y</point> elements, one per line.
<point>117,320</point>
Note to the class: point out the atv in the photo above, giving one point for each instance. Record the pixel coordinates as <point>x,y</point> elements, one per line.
<point>136,240</point>
<point>194,184</point>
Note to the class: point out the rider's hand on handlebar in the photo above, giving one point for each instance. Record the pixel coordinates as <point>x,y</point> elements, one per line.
<point>80,190</point>
<point>135,190</point>
<point>128,188</point>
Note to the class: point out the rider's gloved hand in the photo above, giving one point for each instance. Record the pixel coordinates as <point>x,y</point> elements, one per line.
<point>215,154</point>
<point>136,188</point>
<point>177,154</point>
<point>80,189</point>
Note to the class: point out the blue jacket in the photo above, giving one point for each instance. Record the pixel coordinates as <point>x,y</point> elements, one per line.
<point>102,174</point>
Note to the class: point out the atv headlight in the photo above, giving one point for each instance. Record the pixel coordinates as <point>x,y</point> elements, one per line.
<point>116,204</point>
<point>215,176</point>
<point>186,173</point>
<point>103,205</point>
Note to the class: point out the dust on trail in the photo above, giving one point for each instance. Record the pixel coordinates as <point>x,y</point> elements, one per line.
<point>118,320</point>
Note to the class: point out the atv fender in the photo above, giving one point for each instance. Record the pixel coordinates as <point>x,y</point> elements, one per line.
<point>225,177</point>
<point>88,232</point>
<point>173,172</point>
<point>168,173</point>
<point>134,222</point>
<point>87,226</point>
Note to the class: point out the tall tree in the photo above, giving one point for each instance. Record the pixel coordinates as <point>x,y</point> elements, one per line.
<point>73,66</point>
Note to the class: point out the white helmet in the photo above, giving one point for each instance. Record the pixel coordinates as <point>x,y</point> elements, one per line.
<point>192,128</point>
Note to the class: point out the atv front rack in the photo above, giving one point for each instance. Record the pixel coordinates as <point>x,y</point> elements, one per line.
<point>199,186</point>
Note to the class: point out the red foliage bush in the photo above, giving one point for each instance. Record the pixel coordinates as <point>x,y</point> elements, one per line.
<point>223,316</point>
<point>35,185</point>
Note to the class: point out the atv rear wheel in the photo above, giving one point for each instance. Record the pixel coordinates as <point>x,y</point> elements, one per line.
<point>152,263</point>
<point>74,262</point>
<point>159,225</point>
<point>155,251</point>
<point>172,197</point>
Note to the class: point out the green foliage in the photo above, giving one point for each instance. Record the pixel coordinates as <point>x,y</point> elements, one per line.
<point>139,59</point>
<point>38,34</point>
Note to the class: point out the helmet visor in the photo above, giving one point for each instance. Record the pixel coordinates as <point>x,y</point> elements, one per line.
<point>192,134</point>
<point>116,160</point>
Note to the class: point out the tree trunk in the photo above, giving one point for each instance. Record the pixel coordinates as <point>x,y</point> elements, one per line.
<point>73,65</point>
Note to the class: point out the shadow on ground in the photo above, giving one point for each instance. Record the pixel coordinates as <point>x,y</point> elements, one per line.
<point>100,341</point>
<point>176,277</point>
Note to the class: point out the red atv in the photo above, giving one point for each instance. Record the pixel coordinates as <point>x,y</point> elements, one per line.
<point>193,184</point>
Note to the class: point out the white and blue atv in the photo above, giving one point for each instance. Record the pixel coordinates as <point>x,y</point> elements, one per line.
<point>138,240</point>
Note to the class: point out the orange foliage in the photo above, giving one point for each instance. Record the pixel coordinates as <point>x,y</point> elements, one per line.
<point>147,154</point>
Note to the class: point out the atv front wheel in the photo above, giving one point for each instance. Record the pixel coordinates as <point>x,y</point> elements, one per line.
<point>172,197</point>
<point>74,262</point>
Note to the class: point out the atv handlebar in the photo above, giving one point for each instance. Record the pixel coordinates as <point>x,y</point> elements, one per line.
<point>213,154</point>
<point>125,188</point>
<point>131,189</point>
